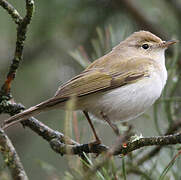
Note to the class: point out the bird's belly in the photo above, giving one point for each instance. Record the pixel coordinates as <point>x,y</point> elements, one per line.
<point>126,102</point>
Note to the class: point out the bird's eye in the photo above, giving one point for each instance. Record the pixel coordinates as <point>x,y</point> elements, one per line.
<point>145,46</point>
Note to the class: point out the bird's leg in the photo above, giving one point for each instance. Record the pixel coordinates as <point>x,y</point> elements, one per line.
<point>111,124</point>
<point>98,141</point>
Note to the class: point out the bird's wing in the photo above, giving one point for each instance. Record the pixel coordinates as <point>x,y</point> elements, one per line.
<point>95,79</point>
<point>92,80</point>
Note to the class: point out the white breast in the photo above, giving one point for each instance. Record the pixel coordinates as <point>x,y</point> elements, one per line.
<point>126,102</point>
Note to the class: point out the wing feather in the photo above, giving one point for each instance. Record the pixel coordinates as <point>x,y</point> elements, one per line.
<point>95,79</point>
<point>89,82</point>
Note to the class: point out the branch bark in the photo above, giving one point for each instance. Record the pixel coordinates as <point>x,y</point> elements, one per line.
<point>12,11</point>
<point>11,158</point>
<point>172,129</point>
<point>121,149</point>
<point>65,145</point>
<point>21,36</point>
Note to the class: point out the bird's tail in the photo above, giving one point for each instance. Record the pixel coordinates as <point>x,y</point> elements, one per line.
<point>32,111</point>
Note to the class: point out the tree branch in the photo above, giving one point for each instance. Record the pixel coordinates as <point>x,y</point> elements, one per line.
<point>12,11</point>
<point>56,139</point>
<point>8,151</point>
<point>79,149</point>
<point>47,133</point>
<point>21,36</point>
<point>11,158</point>
<point>172,129</point>
<point>142,142</point>
<point>65,145</point>
<point>121,149</point>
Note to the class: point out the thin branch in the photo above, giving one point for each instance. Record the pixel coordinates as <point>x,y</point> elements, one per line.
<point>58,141</point>
<point>131,146</point>
<point>11,158</point>
<point>38,127</point>
<point>12,11</point>
<point>29,12</point>
<point>62,148</point>
<point>47,133</point>
<point>21,36</point>
<point>142,142</point>
<point>120,149</point>
<point>64,145</point>
<point>172,129</point>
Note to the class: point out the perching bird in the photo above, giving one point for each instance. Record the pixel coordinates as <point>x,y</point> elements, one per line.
<point>119,86</point>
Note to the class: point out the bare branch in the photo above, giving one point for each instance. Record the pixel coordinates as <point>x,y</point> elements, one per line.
<point>60,143</point>
<point>142,142</point>
<point>47,133</point>
<point>12,11</point>
<point>172,129</point>
<point>11,158</point>
<point>62,148</point>
<point>29,14</point>
<point>21,36</point>
<point>121,149</point>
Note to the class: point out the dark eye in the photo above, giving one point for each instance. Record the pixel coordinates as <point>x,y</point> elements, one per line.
<point>145,46</point>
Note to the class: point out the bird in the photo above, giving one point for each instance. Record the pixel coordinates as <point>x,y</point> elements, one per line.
<point>118,86</point>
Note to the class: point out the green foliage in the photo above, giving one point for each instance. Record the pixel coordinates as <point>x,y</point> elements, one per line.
<point>101,45</point>
<point>107,171</point>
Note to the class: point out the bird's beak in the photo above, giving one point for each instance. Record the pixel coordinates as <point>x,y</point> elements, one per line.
<point>166,44</point>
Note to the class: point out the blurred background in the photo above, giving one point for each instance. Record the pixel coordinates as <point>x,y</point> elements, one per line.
<point>63,38</point>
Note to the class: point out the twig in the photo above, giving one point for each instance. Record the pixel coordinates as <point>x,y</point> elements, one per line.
<point>47,133</point>
<point>58,142</point>
<point>56,139</point>
<point>12,11</point>
<point>35,125</point>
<point>62,148</point>
<point>21,36</point>
<point>121,149</point>
<point>142,142</point>
<point>131,146</point>
<point>11,158</point>
<point>172,129</point>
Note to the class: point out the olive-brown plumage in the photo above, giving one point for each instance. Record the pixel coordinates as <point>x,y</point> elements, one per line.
<point>118,86</point>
